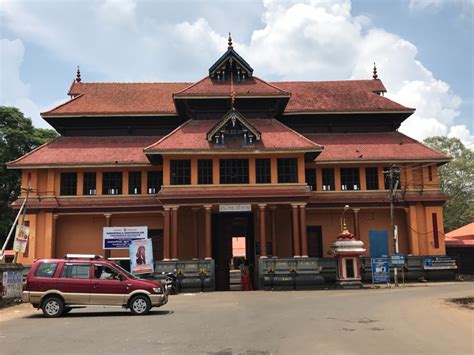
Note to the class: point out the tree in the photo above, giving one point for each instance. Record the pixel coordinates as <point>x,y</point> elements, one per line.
<point>456,180</point>
<point>18,136</point>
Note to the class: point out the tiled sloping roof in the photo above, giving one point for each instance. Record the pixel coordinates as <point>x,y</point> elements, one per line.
<point>157,98</point>
<point>338,96</point>
<point>250,87</point>
<point>191,136</point>
<point>466,231</point>
<point>88,151</point>
<point>384,146</point>
<point>119,98</point>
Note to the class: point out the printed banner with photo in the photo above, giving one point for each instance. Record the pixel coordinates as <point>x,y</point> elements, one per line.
<point>141,256</point>
<point>120,237</point>
<point>21,238</point>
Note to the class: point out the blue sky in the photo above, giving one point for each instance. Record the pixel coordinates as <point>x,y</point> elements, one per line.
<point>423,48</point>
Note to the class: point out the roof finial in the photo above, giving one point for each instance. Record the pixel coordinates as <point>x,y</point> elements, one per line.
<point>375,76</point>
<point>78,75</point>
<point>229,42</point>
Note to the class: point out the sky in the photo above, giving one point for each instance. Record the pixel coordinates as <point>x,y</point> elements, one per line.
<point>423,48</point>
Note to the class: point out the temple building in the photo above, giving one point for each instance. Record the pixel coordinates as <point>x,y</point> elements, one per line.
<point>231,156</point>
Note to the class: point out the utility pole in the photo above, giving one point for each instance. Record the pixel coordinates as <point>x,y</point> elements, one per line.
<point>393,228</point>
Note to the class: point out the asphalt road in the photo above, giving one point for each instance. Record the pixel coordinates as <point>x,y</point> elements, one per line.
<point>412,320</point>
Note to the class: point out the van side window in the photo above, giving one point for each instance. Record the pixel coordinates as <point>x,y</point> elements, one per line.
<point>46,269</point>
<point>104,272</point>
<point>76,271</point>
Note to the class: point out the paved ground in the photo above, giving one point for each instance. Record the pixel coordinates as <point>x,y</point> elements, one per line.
<point>412,320</point>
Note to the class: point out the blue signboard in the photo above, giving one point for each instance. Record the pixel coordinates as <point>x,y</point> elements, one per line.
<point>121,237</point>
<point>439,263</point>
<point>380,270</point>
<point>398,259</point>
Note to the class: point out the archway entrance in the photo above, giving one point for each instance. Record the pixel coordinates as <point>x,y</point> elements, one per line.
<point>226,228</point>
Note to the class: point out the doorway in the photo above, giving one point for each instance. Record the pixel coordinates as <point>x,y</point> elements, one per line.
<point>226,229</point>
<point>378,241</point>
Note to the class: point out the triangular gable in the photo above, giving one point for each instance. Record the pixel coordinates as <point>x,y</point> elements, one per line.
<point>230,56</point>
<point>233,116</point>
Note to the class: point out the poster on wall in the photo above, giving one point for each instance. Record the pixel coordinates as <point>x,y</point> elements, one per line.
<point>141,257</point>
<point>439,263</point>
<point>121,237</point>
<point>21,238</point>
<point>12,284</point>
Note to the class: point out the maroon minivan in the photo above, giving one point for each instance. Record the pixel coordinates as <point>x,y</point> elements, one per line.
<point>59,285</point>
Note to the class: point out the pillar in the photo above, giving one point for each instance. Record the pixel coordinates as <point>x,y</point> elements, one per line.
<point>273,231</point>
<point>263,240</point>
<point>304,239</point>
<point>195,211</point>
<point>296,239</point>
<point>174,234</point>
<point>53,239</point>
<point>166,234</point>
<point>208,254</point>
<point>108,222</point>
<point>356,223</point>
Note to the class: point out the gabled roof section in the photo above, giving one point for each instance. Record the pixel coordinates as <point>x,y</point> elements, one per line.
<point>190,138</point>
<point>233,116</point>
<point>230,59</point>
<point>250,87</point>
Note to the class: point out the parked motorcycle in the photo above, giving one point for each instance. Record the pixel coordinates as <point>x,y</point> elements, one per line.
<point>171,283</point>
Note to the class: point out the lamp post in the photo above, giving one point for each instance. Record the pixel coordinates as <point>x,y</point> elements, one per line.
<point>346,207</point>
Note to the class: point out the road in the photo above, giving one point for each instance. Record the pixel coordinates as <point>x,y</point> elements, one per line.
<point>412,320</point>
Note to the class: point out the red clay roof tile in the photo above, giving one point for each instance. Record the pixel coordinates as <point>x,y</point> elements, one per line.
<point>157,98</point>
<point>74,151</point>
<point>191,136</point>
<point>384,146</point>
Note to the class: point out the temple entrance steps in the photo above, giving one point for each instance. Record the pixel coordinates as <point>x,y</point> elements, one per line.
<point>234,280</point>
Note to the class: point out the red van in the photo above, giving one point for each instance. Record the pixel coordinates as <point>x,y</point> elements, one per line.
<point>59,285</point>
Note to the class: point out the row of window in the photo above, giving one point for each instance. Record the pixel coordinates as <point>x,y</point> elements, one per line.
<point>350,178</point>
<point>111,183</point>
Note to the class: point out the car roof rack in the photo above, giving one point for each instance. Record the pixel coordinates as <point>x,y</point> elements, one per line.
<point>83,256</point>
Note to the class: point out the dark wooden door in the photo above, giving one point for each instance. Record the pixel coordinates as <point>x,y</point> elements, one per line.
<point>315,241</point>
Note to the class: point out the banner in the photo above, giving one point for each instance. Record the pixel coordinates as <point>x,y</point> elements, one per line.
<point>439,263</point>
<point>21,238</point>
<point>120,237</point>
<point>380,271</point>
<point>141,257</point>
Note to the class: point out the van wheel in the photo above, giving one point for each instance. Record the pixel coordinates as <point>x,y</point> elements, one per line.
<point>53,307</point>
<point>140,305</point>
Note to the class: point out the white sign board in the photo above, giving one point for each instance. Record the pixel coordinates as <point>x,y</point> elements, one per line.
<point>121,237</point>
<point>235,208</point>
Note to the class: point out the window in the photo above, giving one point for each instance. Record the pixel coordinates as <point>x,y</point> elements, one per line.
<point>180,172</point>
<point>234,171</point>
<point>90,184</point>
<point>76,271</point>
<point>155,180</point>
<point>372,178</point>
<point>104,272</point>
<point>204,171</point>
<point>350,179</point>
<point>434,219</point>
<point>430,173</point>
<point>46,269</point>
<point>310,175</point>
<point>263,171</point>
<point>396,177</point>
<point>134,182</point>
<point>68,184</point>
<point>112,183</point>
<point>287,170</point>
<point>328,179</point>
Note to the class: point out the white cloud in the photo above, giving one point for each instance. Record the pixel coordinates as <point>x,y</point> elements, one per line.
<point>424,4</point>
<point>462,132</point>
<point>307,40</point>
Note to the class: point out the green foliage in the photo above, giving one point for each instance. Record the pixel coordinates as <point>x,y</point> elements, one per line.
<point>456,180</point>
<point>17,137</point>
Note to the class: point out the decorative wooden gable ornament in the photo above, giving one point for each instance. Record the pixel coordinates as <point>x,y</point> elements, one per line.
<point>233,125</point>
